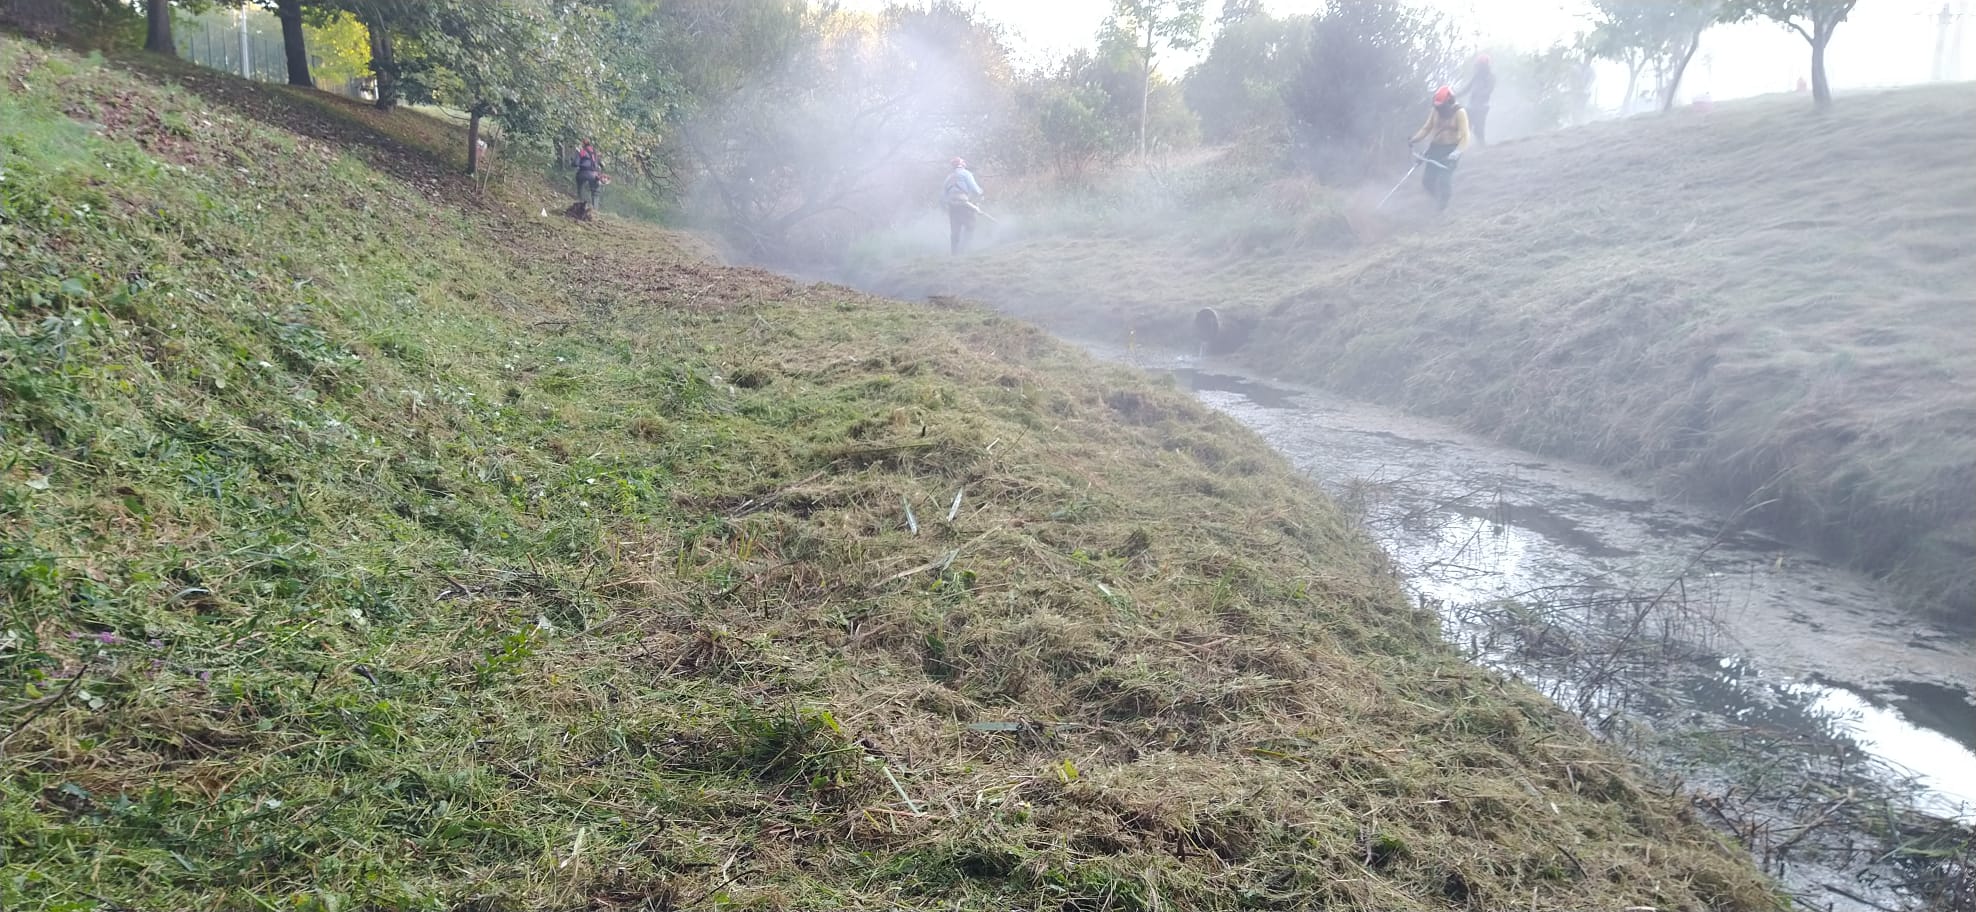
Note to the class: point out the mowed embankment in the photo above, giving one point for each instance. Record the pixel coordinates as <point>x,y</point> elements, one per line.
<point>368,547</point>
<point>1759,307</point>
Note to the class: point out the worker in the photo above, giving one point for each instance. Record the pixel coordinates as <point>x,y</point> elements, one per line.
<point>589,173</point>
<point>1481,86</point>
<point>959,195</point>
<point>1446,133</point>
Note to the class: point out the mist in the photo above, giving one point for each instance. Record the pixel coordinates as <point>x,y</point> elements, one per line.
<point>678,454</point>
<point>1620,290</point>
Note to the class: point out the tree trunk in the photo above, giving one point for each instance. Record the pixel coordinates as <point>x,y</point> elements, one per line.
<point>1146,92</point>
<point>1632,86</point>
<point>158,37</point>
<point>473,140</point>
<point>384,63</point>
<point>1680,67</point>
<point>1821,91</point>
<point>293,44</point>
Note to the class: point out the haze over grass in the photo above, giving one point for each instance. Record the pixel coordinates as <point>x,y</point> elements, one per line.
<point>1753,306</point>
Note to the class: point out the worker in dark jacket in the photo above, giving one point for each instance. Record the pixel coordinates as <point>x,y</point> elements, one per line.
<point>589,173</point>
<point>1481,87</point>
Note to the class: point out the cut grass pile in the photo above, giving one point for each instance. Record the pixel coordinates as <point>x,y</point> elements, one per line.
<point>360,549</point>
<point>1754,306</point>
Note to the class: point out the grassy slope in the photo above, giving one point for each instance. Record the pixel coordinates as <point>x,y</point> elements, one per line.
<point>1753,304</point>
<point>362,549</point>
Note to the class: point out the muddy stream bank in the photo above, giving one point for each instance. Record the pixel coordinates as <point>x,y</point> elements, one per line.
<point>1831,732</point>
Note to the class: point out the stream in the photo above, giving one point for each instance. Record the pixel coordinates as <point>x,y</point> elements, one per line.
<point>1799,706</point>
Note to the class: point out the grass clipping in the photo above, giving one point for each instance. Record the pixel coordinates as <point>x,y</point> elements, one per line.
<point>362,550</point>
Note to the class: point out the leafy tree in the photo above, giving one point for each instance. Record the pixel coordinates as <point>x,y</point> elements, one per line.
<point>1237,11</point>
<point>1069,131</point>
<point>342,47</point>
<point>1240,86</point>
<point>1691,19</point>
<point>382,21</point>
<point>1078,114</point>
<point>710,48</point>
<point>1152,25</point>
<point>550,69</point>
<point>1813,20</point>
<point>539,67</point>
<point>1661,35</point>
<point>1365,78</point>
<point>702,53</point>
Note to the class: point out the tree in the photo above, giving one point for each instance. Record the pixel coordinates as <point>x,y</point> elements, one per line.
<point>1071,133</point>
<point>1255,57</point>
<point>1234,12</point>
<point>381,19</point>
<point>158,35</point>
<point>1366,77</point>
<point>340,47</point>
<point>293,43</point>
<point>1662,35</point>
<point>1813,20</point>
<point>1067,119</point>
<point>1153,24</point>
<point>383,63</point>
<point>290,14</point>
<point>491,58</point>
<point>1691,19</point>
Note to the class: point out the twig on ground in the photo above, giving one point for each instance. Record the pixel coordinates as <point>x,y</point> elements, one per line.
<point>886,768</point>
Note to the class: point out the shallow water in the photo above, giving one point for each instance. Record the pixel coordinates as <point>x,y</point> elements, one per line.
<point>1779,639</point>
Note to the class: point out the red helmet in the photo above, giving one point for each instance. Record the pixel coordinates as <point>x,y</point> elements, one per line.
<point>1482,59</point>
<point>959,162</point>
<point>1444,95</point>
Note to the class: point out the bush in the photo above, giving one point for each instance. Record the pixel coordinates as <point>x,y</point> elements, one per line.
<point>1367,74</point>
<point>1239,89</point>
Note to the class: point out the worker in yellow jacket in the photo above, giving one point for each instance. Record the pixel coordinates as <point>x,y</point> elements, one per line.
<point>1446,133</point>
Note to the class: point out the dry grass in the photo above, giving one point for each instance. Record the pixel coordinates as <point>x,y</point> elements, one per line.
<point>1753,305</point>
<point>365,549</point>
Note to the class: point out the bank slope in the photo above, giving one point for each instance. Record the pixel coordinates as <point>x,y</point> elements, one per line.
<point>1756,306</point>
<point>366,549</point>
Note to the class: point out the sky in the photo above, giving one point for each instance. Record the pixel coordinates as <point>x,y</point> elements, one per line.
<point>1887,42</point>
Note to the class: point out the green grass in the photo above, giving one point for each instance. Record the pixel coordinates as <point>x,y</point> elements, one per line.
<point>1751,306</point>
<point>369,547</point>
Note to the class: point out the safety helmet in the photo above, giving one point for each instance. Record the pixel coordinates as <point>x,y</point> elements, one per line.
<point>1444,95</point>
<point>959,162</point>
<point>1482,59</point>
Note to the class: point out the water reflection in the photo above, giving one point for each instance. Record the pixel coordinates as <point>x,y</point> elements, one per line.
<point>1472,523</point>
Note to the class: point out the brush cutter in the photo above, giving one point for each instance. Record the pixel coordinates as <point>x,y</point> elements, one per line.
<point>1418,160</point>
<point>977,211</point>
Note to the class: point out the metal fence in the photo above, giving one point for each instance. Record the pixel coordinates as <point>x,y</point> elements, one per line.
<point>222,47</point>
